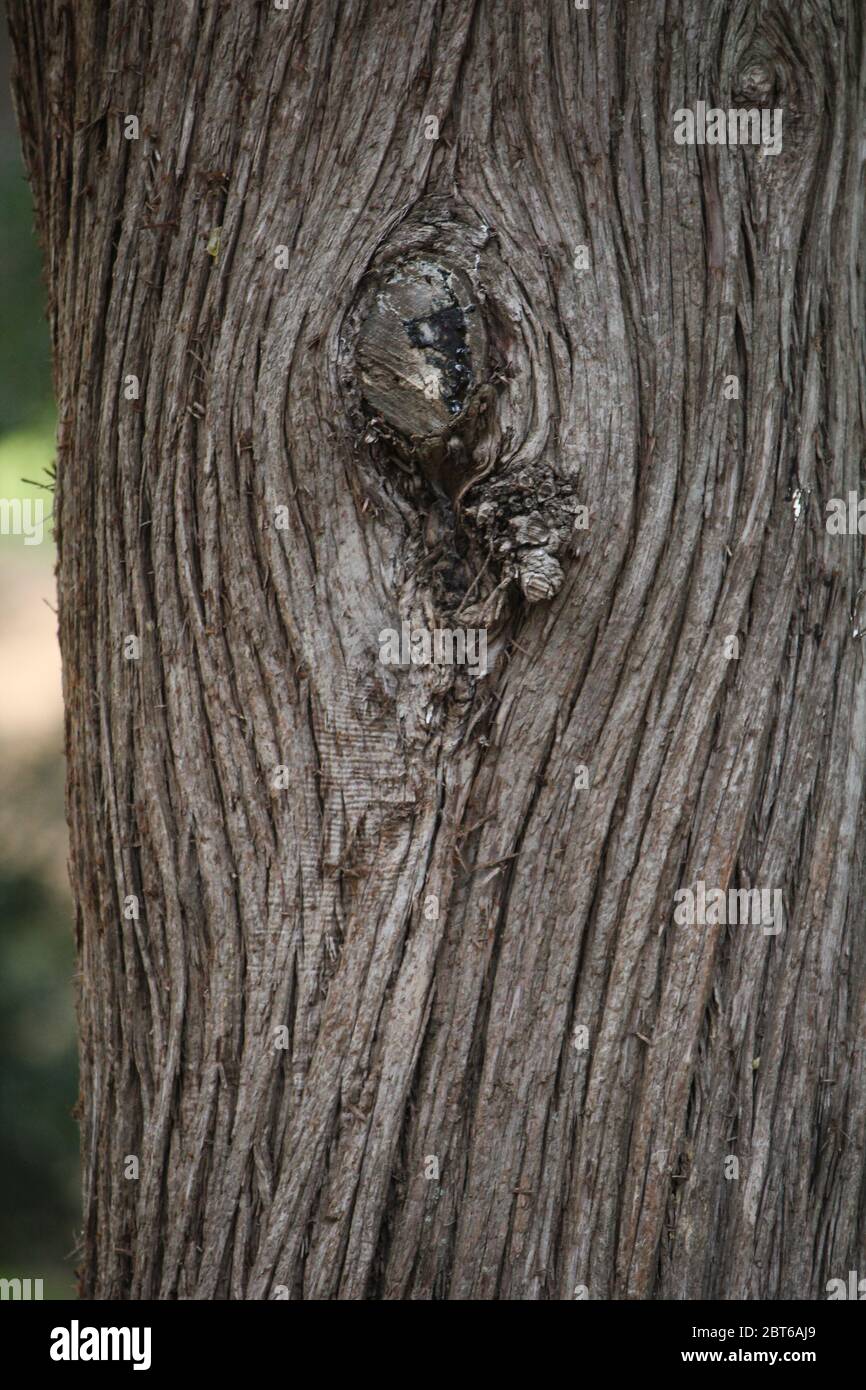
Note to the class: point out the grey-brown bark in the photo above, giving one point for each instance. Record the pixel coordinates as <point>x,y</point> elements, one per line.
<point>305,899</point>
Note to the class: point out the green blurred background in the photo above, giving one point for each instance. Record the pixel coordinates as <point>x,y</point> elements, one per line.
<point>39,1208</point>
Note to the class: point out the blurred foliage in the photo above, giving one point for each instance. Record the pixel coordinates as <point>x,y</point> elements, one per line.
<point>39,1206</point>
<point>38,1136</point>
<point>27,415</point>
<point>26,470</point>
<point>25,362</point>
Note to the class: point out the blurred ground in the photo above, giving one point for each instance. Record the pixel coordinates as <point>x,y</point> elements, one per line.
<point>30,704</point>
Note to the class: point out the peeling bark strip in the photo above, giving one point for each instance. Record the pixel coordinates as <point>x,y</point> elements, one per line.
<point>380,978</point>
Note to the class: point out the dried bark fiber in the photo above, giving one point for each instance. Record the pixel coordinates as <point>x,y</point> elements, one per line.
<point>414,1034</point>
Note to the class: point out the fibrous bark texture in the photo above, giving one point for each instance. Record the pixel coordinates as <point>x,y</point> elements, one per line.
<point>380,980</point>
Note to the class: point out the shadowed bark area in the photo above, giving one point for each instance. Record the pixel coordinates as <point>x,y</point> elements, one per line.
<point>404,868</point>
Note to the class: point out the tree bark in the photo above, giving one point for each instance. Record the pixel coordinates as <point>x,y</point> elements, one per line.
<point>405,1012</point>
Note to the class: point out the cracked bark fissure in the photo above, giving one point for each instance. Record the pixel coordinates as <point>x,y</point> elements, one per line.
<point>416,1034</point>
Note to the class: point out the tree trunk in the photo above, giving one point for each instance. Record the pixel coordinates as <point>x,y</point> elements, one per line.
<point>420,314</point>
